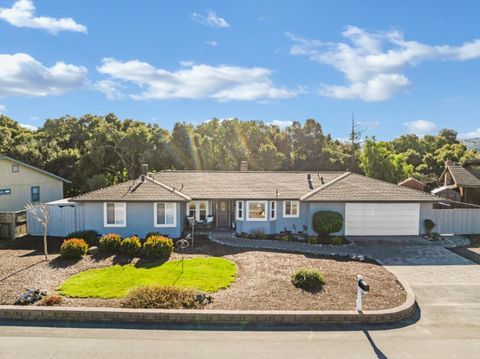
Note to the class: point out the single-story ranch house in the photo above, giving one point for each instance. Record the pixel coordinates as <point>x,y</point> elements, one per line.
<point>251,200</point>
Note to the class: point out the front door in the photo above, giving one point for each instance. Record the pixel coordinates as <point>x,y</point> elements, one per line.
<point>223,214</point>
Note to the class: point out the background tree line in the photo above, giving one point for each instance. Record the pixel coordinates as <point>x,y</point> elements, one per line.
<point>95,151</point>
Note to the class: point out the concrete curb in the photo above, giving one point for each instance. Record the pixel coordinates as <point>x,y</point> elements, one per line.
<point>158,316</point>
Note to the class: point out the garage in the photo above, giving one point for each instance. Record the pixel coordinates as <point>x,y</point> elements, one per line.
<point>382,219</point>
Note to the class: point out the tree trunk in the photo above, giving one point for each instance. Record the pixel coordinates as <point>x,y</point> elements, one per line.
<point>45,248</point>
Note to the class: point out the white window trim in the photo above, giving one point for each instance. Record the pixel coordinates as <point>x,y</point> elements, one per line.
<point>169,225</point>
<point>285,215</point>
<point>237,217</point>
<point>273,207</point>
<point>197,209</point>
<point>247,208</point>
<point>105,223</point>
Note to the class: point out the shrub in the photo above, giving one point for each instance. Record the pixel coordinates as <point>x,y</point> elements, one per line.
<point>312,240</point>
<point>130,246</point>
<point>158,247</point>
<point>337,241</point>
<point>258,233</point>
<point>429,225</point>
<point>285,238</point>
<point>158,297</point>
<point>151,234</point>
<point>244,235</point>
<point>90,236</point>
<point>110,243</point>
<point>436,236</point>
<point>308,279</point>
<point>73,248</point>
<point>326,222</point>
<point>51,300</point>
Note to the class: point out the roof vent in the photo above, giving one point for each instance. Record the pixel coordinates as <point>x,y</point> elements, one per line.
<point>309,179</point>
<point>322,180</point>
<point>144,169</point>
<point>244,166</point>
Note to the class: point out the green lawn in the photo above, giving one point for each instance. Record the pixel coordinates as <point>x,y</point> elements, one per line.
<point>205,274</point>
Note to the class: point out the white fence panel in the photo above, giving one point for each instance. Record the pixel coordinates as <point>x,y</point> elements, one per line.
<point>457,221</point>
<point>62,222</point>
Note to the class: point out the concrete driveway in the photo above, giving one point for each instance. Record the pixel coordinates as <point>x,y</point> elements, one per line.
<point>447,326</point>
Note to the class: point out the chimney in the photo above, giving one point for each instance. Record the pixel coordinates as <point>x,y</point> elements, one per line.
<point>144,172</point>
<point>244,166</point>
<point>309,179</point>
<point>448,163</point>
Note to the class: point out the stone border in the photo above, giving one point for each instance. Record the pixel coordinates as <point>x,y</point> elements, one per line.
<point>162,316</point>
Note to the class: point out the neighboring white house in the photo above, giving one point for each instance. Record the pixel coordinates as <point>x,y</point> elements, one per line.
<point>21,183</point>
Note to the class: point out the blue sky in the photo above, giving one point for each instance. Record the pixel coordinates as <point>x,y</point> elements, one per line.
<point>403,67</point>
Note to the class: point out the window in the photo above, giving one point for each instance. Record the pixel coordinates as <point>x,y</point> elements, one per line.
<point>35,193</point>
<point>115,214</point>
<point>198,210</point>
<point>257,211</point>
<point>239,210</point>
<point>273,210</point>
<point>165,214</point>
<point>5,191</point>
<point>291,209</point>
<point>15,168</point>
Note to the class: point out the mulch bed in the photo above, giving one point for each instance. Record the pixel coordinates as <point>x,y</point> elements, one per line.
<point>470,252</point>
<point>263,281</point>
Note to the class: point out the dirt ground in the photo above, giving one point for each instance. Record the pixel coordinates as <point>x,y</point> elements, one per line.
<point>263,280</point>
<point>472,251</point>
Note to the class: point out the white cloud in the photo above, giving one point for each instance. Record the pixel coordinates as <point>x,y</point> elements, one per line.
<point>200,81</point>
<point>187,63</point>
<point>471,134</point>
<point>22,14</point>
<point>420,127</point>
<point>111,89</point>
<point>212,43</point>
<point>2,109</point>
<point>29,127</point>
<point>281,124</point>
<point>373,62</point>
<point>21,74</point>
<point>210,19</point>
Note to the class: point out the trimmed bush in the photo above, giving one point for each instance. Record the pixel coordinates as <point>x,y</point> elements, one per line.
<point>308,279</point>
<point>285,238</point>
<point>326,222</point>
<point>436,236</point>
<point>337,241</point>
<point>312,240</point>
<point>244,235</point>
<point>73,248</point>
<point>151,234</point>
<point>429,225</point>
<point>158,297</point>
<point>51,300</point>
<point>90,236</point>
<point>110,243</point>
<point>158,247</point>
<point>130,246</point>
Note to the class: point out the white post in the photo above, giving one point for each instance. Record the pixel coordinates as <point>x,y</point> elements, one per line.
<point>358,302</point>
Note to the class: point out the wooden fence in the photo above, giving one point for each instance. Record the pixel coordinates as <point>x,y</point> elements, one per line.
<point>457,221</point>
<point>13,224</point>
<point>62,222</point>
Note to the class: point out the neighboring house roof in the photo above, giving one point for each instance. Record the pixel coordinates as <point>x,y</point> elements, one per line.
<point>34,168</point>
<point>413,183</point>
<point>244,184</point>
<point>187,185</point>
<point>134,191</point>
<point>463,177</point>
<point>353,187</point>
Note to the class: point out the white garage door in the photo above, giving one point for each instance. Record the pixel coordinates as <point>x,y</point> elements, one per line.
<point>378,219</point>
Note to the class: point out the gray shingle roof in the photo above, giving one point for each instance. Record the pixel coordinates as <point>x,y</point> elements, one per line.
<point>243,185</point>
<point>187,185</point>
<point>148,190</point>
<point>353,187</point>
<point>464,177</point>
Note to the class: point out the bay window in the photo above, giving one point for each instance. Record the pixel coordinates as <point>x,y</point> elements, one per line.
<point>257,210</point>
<point>115,214</point>
<point>291,209</point>
<point>165,214</point>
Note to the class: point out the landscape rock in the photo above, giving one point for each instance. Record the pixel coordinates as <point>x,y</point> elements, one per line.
<point>93,250</point>
<point>30,296</point>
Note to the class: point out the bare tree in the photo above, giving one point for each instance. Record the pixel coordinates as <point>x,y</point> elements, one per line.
<point>41,213</point>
